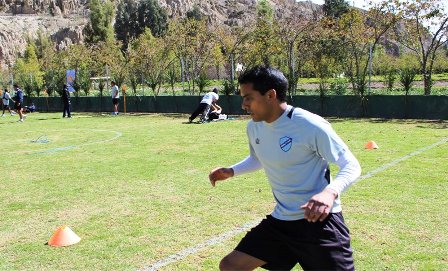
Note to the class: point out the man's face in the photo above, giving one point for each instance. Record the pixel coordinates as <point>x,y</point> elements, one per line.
<point>256,104</point>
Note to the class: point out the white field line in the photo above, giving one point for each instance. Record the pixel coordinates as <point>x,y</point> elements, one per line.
<point>117,135</point>
<point>393,163</point>
<point>193,250</point>
<point>227,235</point>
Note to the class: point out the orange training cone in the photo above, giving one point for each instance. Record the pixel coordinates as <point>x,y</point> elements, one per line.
<point>63,236</point>
<point>371,145</point>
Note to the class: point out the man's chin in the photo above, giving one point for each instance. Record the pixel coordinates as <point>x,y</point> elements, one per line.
<point>255,119</point>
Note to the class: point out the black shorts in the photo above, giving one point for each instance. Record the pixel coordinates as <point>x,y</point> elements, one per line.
<point>18,106</point>
<point>282,244</point>
<point>115,100</point>
<point>6,106</point>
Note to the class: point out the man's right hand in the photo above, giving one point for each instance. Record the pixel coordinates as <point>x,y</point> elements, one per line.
<point>220,174</point>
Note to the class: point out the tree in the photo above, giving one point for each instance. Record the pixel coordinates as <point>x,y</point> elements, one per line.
<point>193,44</point>
<point>52,63</point>
<point>79,58</point>
<point>43,43</point>
<point>361,37</point>
<point>28,72</point>
<point>194,13</point>
<point>335,8</point>
<point>154,58</point>
<point>423,30</point>
<point>325,61</point>
<point>264,45</point>
<point>151,15</point>
<point>126,22</point>
<point>231,41</point>
<point>407,77</point>
<point>293,30</point>
<point>101,17</point>
<point>172,75</point>
<point>134,17</point>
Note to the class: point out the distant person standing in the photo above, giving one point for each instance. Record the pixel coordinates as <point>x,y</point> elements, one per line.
<point>5,101</point>
<point>18,100</point>
<point>115,97</point>
<point>66,102</point>
<point>204,105</point>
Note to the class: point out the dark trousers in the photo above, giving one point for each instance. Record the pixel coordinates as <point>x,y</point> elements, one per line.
<point>66,110</point>
<point>202,108</point>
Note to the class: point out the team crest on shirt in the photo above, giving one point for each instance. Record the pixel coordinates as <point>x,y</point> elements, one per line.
<point>285,143</point>
<point>257,141</point>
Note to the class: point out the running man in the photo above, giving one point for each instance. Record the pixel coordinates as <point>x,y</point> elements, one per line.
<point>294,147</point>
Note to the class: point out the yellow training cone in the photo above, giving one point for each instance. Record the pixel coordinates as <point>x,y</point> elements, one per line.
<point>371,145</point>
<point>63,236</point>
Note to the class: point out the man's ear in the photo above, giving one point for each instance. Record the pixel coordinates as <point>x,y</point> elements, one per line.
<point>272,94</point>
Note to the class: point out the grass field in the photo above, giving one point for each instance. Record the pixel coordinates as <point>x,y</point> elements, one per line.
<point>135,189</point>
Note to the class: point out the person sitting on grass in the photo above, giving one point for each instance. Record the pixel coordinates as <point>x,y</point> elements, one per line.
<point>215,111</point>
<point>29,109</point>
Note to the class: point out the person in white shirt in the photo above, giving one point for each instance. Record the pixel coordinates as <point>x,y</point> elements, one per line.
<point>5,101</point>
<point>204,105</point>
<point>115,97</point>
<point>294,147</point>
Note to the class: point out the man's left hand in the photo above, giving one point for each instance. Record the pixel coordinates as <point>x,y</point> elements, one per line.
<point>319,206</point>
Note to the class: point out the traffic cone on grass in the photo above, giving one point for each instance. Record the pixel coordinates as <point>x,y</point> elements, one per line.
<point>63,236</point>
<point>371,145</point>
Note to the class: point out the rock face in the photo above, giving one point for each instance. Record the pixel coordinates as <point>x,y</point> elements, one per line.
<point>15,29</point>
<point>63,20</point>
<point>235,12</point>
<point>54,7</point>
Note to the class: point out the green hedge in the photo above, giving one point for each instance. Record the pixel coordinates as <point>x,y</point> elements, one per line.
<point>377,106</point>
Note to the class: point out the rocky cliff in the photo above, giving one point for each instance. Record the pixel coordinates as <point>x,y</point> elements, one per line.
<point>63,20</point>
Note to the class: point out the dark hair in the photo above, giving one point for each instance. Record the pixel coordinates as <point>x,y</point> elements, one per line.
<point>16,86</point>
<point>6,90</point>
<point>215,90</point>
<point>264,78</point>
<point>112,82</point>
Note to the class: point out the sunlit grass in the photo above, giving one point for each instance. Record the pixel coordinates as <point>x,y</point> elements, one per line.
<point>142,196</point>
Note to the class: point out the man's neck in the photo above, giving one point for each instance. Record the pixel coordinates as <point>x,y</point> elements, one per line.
<point>277,111</point>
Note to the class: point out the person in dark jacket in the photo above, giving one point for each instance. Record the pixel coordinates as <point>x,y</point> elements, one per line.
<point>66,102</point>
<point>18,101</point>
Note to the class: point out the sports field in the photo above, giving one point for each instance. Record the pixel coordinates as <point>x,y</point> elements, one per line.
<point>135,188</point>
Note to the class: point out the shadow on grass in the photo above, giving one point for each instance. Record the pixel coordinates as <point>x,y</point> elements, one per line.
<point>48,118</point>
<point>420,123</point>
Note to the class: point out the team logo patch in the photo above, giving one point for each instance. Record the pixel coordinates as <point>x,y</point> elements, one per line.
<point>257,141</point>
<point>285,143</point>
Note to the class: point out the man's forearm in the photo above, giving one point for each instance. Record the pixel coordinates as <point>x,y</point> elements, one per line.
<point>349,171</point>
